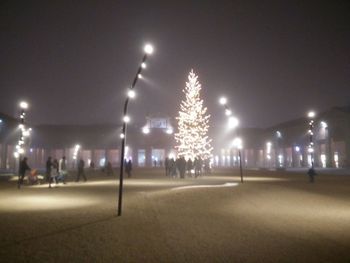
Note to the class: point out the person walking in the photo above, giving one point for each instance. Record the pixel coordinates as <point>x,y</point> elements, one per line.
<point>54,173</point>
<point>128,168</point>
<point>48,169</point>
<point>182,167</point>
<point>23,167</point>
<point>166,166</point>
<point>109,169</point>
<point>81,171</point>
<point>189,167</point>
<point>311,173</point>
<point>62,170</point>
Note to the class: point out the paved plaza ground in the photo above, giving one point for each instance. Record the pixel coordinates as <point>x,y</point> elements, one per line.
<point>271,217</point>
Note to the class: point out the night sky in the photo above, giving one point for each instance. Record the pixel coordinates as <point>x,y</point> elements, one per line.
<point>73,60</point>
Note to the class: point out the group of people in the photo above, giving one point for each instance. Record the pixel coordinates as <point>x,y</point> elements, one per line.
<point>181,166</point>
<point>56,171</point>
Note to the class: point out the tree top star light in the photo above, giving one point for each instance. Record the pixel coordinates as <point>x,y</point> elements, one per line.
<point>193,123</point>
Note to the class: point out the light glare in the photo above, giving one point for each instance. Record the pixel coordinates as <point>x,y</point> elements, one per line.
<point>233,122</point>
<point>131,94</point>
<point>223,101</point>
<point>23,105</point>
<point>148,49</point>
<point>237,143</point>
<point>145,130</point>
<point>311,114</point>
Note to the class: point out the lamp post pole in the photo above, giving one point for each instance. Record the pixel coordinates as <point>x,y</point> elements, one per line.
<point>20,146</point>
<point>240,164</point>
<point>238,144</point>
<point>148,50</point>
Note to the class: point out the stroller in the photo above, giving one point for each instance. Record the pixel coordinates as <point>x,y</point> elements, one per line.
<point>34,177</point>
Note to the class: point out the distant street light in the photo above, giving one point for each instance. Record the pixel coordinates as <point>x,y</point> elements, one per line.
<point>23,105</point>
<point>145,130</point>
<point>223,100</point>
<point>311,114</point>
<point>233,122</point>
<point>148,49</point>
<point>131,94</point>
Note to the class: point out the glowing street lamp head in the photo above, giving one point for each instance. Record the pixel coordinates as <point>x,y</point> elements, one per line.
<point>324,124</point>
<point>237,143</point>
<point>279,134</point>
<point>228,112</point>
<point>223,101</point>
<point>131,94</point>
<point>143,65</point>
<point>126,119</point>
<point>145,130</point>
<point>122,136</point>
<point>148,49</point>
<point>232,122</point>
<point>311,114</point>
<point>139,76</point>
<point>26,133</point>
<point>23,105</point>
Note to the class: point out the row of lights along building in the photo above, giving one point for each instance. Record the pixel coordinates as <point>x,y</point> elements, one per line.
<point>285,145</point>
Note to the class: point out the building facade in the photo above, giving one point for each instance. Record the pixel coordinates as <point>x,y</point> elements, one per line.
<point>282,146</point>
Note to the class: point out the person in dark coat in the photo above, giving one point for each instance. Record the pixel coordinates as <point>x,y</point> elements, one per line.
<point>311,173</point>
<point>182,167</point>
<point>109,169</point>
<point>166,166</point>
<point>189,167</point>
<point>48,169</point>
<point>23,167</point>
<point>53,172</point>
<point>81,172</point>
<point>128,168</point>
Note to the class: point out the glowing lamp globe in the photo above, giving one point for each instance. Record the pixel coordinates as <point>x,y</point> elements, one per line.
<point>148,49</point>
<point>23,105</point>
<point>311,114</point>
<point>223,101</point>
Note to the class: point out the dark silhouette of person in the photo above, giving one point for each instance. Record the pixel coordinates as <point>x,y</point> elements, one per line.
<point>48,169</point>
<point>23,167</point>
<point>54,172</point>
<point>181,163</point>
<point>173,168</point>
<point>81,171</point>
<point>109,169</point>
<point>92,165</point>
<point>311,173</point>
<point>128,168</point>
<point>166,166</point>
<point>189,166</point>
<point>198,166</point>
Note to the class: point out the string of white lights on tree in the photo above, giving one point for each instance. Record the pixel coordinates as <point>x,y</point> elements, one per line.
<point>193,123</point>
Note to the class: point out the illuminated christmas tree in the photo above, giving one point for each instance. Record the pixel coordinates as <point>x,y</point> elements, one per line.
<point>192,137</point>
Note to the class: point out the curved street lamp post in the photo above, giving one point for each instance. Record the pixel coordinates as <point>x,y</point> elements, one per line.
<point>131,94</point>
